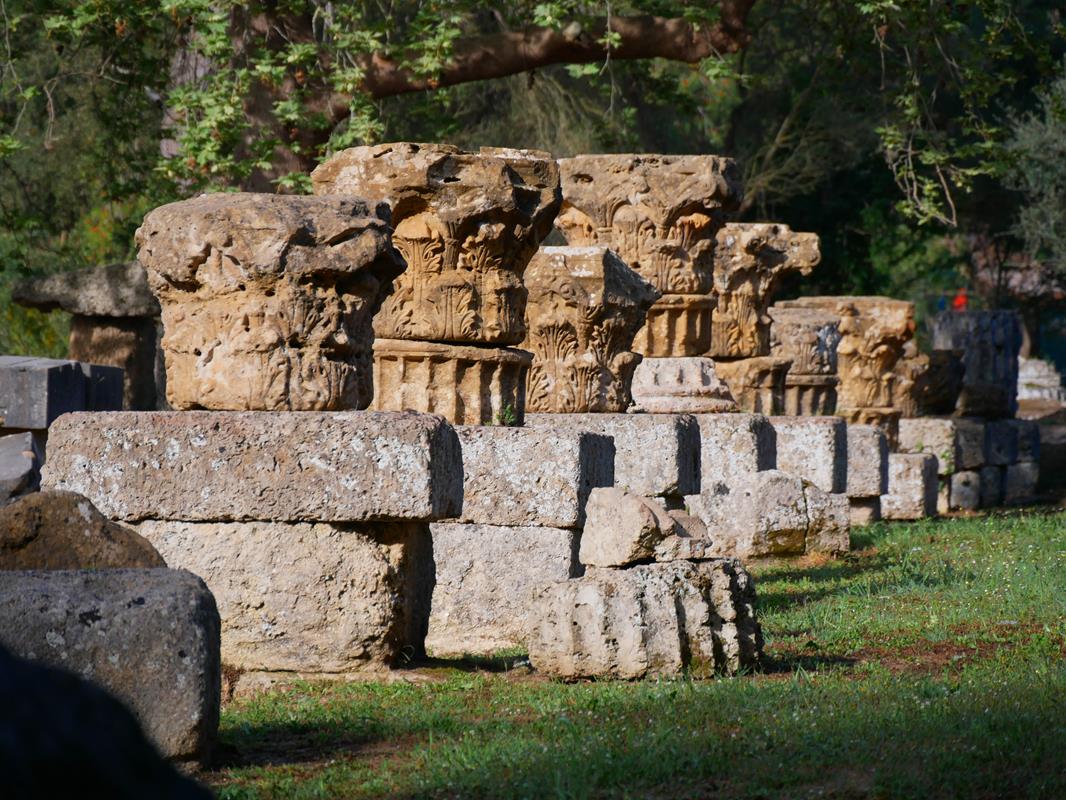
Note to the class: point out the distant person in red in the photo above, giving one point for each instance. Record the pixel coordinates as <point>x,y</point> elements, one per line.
<point>961,301</point>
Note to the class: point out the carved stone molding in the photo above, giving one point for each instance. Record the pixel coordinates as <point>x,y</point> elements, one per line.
<point>677,325</point>
<point>757,384</point>
<point>466,224</point>
<point>810,395</point>
<point>585,306</point>
<point>680,386</point>
<point>266,299</point>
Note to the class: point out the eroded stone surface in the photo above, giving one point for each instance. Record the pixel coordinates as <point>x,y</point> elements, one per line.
<point>965,490</point>
<point>938,437</point>
<point>112,290</point>
<point>267,299</point>
<point>912,487</point>
<point>733,446</point>
<point>649,620</point>
<point>62,530</point>
<point>288,466</point>
<point>990,341</point>
<point>531,475</point>
<point>308,597</point>
<point>992,485</point>
<point>749,259</point>
<point>814,448</point>
<point>656,455</point>
<point>622,528</point>
<point>128,343</point>
<point>660,214</point>
<point>680,386</point>
<point>1001,442</point>
<point>807,336</point>
<point>464,384</point>
<point>466,224</point>
<point>1028,433</point>
<point>865,510</point>
<point>585,307</point>
<point>944,382</point>
<point>21,456</point>
<point>486,579</point>
<point>149,636</point>
<point>34,392</point>
<point>867,469</point>
<point>757,384</point>
<point>1020,481</point>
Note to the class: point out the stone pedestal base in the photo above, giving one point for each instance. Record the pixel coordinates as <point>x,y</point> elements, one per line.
<point>887,419</point>
<point>466,385</point>
<point>678,325</point>
<point>810,395</point>
<point>680,386</point>
<point>757,384</point>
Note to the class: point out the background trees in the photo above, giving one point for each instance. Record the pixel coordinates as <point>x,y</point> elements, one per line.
<point>916,137</point>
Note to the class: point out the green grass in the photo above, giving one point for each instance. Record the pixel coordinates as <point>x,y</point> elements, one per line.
<point>930,663</point>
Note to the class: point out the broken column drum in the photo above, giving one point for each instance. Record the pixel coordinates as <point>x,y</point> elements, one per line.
<point>466,225</point>
<point>585,307</point>
<point>809,338</point>
<point>267,299</point>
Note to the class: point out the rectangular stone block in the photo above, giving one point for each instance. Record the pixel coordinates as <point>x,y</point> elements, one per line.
<point>656,455</point>
<point>104,387</point>
<point>992,480</point>
<point>21,456</point>
<point>865,510</point>
<point>308,598</point>
<point>35,391</point>
<point>932,435</point>
<point>970,444</point>
<point>1028,432</point>
<point>148,636</point>
<point>203,466</point>
<point>531,476</point>
<point>814,448</point>
<point>1020,481</point>
<point>487,576</point>
<point>867,461</point>
<point>734,445</point>
<point>965,491</point>
<point>912,487</point>
<point>1001,443</point>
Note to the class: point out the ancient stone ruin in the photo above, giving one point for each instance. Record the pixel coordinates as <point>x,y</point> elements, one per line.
<point>808,338</point>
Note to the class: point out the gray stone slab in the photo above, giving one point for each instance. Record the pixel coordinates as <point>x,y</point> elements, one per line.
<point>103,387</point>
<point>201,466</point>
<point>35,391</point>
<point>867,461</point>
<point>733,446</point>
<point>912,487</point>
<point>1028,432</point>
<point>814,448</point>
<point>965,492</point>
<point>992,485</point>
<point>1001,443</point>
<point>151,637</point>
<point>531,476</point>
<point>1020,481</point>
<point>656,455</point>
<point>21,455</point>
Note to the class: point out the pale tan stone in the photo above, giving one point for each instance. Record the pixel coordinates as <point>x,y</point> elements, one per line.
<point>622,528</point>
<point>680,386</point>
<point>887,419</point>
<point>466,224</point>
<point>813,448</point>
<point>487,577</point>
<point>308,597</point>
<point>531,476</point>
<point>678,325</point>
<point>964,491</point>
<point>864,510</point>
<point>867,461</point>
<point>808,336</point>
<point>828,521</point>
<point>809,395</point>
<point>757,384</point>
<point>464,384</point>
<point>649,620</point>
<point>286,466</point>
<point>912,487</point>
<point>934,436</point>
<point>733,446</point>
<point>267,299</point>
<point>125,342</point>
<point>911,384</point>
<point>585,307</point>
<point>749,259</point>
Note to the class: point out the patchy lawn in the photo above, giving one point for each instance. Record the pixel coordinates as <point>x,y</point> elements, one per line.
<point>930,663</point>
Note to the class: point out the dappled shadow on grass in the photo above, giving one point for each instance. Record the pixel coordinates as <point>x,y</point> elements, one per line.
<point>272,744</point>
<point>469,663</point>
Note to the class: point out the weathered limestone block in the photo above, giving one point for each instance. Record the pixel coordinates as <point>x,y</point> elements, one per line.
<point>1028,433</point>
<point>749,260</point>
<point>1039,380</point>
<point>115,317</point>
<point>864,510</point>
<point>466,385</point>
<point>677,324</point>
<point>734,445</point>
<point>151,637</point>
<point>267,299</point>
<point>1020,481</point>
<point>286,466</point>
<point>1001,443</point>
<point>993,479</point>
<point>937,437</point>
<point>680,386</point>
<point>814,448</point>
<point>308,597</point>
<point>21,456</point>
<point>758,384</point>
<point>656,455</point>
<point>623,528</point>
<point>867,467</point>
<point>990,341</point>
<point>62,530</point>
<point>887,419</point>
<point>807,336</point>
<point>466,224</point>
<point>35,391</point>
<point>487,579</point>
<point>660,214</point>
<point>649,620</point>
<point>771,513</point>
<point>809,395</point>
<point>531,476</point>
<point>585,307</point>
<point>965,490</point>
<point>912,487</point>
